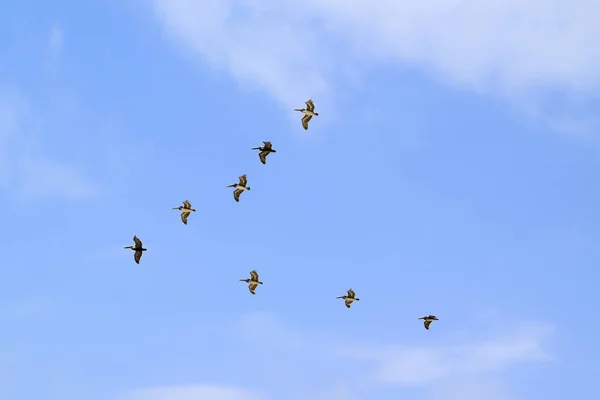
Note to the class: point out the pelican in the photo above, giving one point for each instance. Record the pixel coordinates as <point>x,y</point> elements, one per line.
<point>264,151</point>
<point>428,320</point>
<point>308,112</point>
<point>240,187</point>
<point>137,248</point>
<point>186,209</point>
<point>253,282</point>
<point>349,298</point>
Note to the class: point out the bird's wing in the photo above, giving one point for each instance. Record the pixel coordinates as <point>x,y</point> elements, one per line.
<point>427,323</point>
<point>187,204</point>
<point>267,145</point>
<point>252,287</point>
<point>236,194</point>
<point>348,302</point>
<point>263,156</point>
<point>305,120</point>
<point>138,242</point>
<point>137,256</point>
<point>254,275</point>
<point>351,293</point>
<point>310,106</point>
<point>243,180</point>
<point>184,217</point>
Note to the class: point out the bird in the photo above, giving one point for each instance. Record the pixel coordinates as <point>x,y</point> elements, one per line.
<point>349,298</point>
<point>428,319</point>
<point>308,112</point>
<point>240,187</point>
<point>264,151</point>
<point>137,248</point>
<point>253,282</point>
<point>186,209</point>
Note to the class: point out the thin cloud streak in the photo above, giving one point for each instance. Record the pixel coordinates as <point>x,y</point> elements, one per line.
<point>193,392</point>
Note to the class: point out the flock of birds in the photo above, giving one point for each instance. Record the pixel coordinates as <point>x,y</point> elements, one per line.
<point>239,188</point>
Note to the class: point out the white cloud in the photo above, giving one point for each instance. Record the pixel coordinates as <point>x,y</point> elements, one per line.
<point>415,366</point>
<point>193,392</point>
<point>294,49</point>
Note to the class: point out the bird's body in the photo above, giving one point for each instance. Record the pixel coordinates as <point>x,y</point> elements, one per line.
<point>138,248</point>
<point>253,282</point>
<point>349,298</point>
<point>240,187</point>
<point>308,112</point>
<point>264,151</point>
<point>428,320</point>
<point>186,209</point>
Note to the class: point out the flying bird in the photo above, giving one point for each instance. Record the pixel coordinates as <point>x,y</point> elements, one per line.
<point>428,320</point>
<point>240,187</point>
<point>253,282</point>
<point>186,209</point>
<point>349,298</point>
<point>137,248</point>
<point>264,151</point>
<point>308,112</point>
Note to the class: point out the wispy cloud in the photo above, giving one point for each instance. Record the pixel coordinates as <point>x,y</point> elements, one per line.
<point>35,307</point>
<point>453,370</point>
<point>26,171</point>
<point>414,366</point>
<point>297,50</point>
<point>264,45</point>
<point>477,388</point>
<point>41,176</point>
<point>55,40</point>
<point>193,392</point>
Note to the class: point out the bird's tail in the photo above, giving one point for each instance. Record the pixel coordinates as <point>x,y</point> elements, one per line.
<point>248,188</point>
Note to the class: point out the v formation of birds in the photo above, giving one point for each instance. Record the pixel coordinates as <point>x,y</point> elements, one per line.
<point>240,187</point>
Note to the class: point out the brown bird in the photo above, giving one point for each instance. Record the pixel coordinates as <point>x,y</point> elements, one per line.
<point>264,151</point>
<point>349,298</point>
<point>186,209</point>
<point>308,112</point>
<point>428,320</point>
<point>137,248</point>
<point>240,187</point>
<point>253,282</point>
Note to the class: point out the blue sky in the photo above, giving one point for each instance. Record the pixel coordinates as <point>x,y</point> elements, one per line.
<point>452,170</point>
